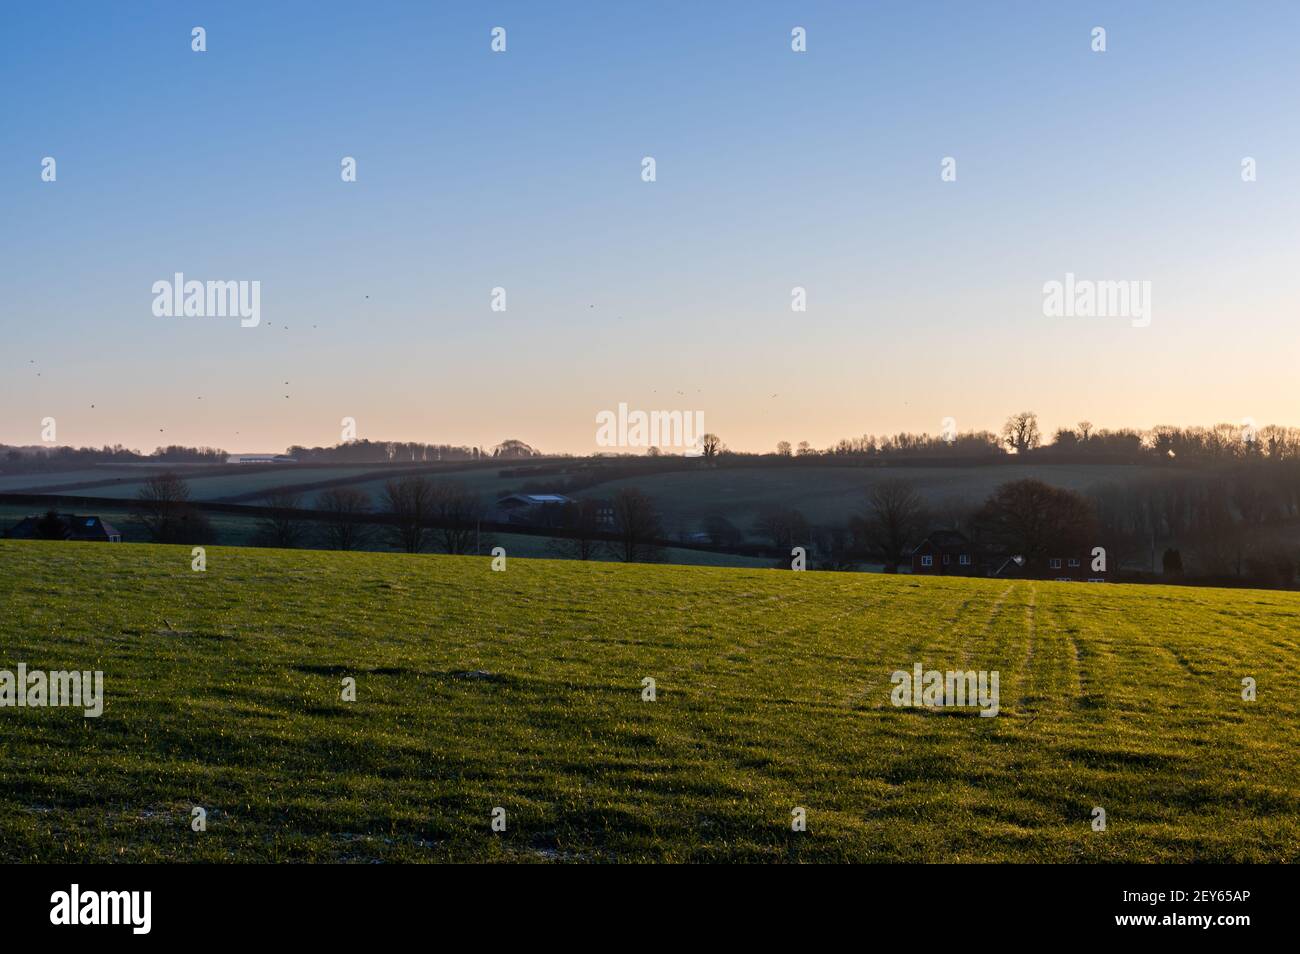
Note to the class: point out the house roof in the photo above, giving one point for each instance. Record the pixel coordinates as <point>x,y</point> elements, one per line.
<point>533,499</point>
<point>945,540</point>
<point>75,526</point>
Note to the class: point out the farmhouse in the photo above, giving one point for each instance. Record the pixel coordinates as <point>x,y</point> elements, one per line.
<point>950,553</point>
<point>63,526</point>
<point>947,553</point>
<point>1069,567</point>
<point>1074,567</point>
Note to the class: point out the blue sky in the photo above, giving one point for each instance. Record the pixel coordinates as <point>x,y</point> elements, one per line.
<point>522,170</point>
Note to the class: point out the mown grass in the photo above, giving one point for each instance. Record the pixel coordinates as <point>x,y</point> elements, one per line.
<point>522,689</point>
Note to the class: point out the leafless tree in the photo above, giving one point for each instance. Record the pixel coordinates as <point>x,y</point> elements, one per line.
<point>163,508</point>
<point>784,526</point>
<point>581,520</point>
<point>457,513</point>
<point>711,446</point>
<point>1085,430</point>
<point>893,518</point>
<point>341,506</point>
<point>281,523</point>
<point>1020,432</point>
<point>722,532</point>
<point>783,448</point>
<point>410,501</point>
<point>1033,519</point>
<point>636,522</point>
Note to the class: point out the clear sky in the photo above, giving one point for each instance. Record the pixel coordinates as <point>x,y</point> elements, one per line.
<point>522,169</point>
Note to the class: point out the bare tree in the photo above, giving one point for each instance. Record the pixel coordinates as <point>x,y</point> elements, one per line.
<point>711,446</point>
<point>1020,432</point>
<point>162,506</point>
<point>340,528</point>
<point>722,532</point>
<point>456,516</point>
<point>784,526</point>
<point>893,518</point>
<point>1034,519</point>
<point>637,524</point>
<point>281,523</point>
<point>783,448</point>
<point>581,518</point>
<point>1085,430</point>
<point>410,501</point>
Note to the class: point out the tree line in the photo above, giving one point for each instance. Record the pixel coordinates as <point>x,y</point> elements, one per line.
<point>1021,434</point>
<point>415,513</point>
<point>1232,525</point>
<point>403,452</point>
<point>39,458</point>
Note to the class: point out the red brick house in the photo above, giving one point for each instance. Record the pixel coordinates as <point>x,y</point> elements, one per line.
<point>950,553</point>
<point>1070,567</point>
<point>1074,567</point>
<point>946,553</point>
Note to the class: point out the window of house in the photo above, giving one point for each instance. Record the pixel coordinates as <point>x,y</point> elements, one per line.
<point>946,559</point>
<point>1054,563</point>
<point>927,561</point>
<point>1074,562</point>
<point>965,559</point>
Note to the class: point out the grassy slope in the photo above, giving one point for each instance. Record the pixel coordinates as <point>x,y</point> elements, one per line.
<point>223,691</point>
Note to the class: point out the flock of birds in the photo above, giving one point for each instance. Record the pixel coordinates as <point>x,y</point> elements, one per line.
<point>162,430</point>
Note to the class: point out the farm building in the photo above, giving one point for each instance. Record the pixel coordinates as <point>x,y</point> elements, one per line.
<point>63,526</point>
<point>532,509</point>
<point>1071,566</point>
<point>950,553</point>
<point>947,553</point>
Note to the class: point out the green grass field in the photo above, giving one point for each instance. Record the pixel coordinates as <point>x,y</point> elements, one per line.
<point>522,689</point>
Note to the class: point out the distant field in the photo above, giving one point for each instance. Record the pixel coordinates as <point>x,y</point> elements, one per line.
<point>128,484</point>
<point>825,495</point>
<point>11,483</point>
<point>522,689</point>
<point>831,495</point>
<point>483,481</point>
<point>125,483</point>
<point>238,530</point>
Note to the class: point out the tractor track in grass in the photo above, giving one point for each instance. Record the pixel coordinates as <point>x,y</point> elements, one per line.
<point>1180,660</point>
<point>995,611</point>
<point>1077,679</point>
<point>1061,657</point>
<point>1031,639</point>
